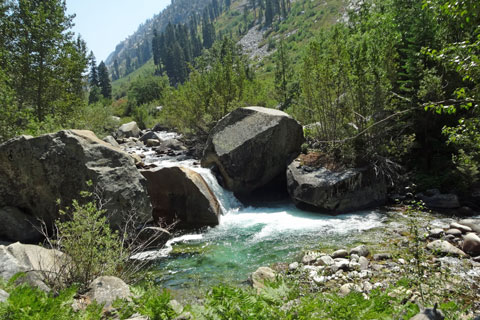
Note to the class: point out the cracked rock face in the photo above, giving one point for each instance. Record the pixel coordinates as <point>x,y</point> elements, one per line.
<point>252,146</point>
<point>36,172</point>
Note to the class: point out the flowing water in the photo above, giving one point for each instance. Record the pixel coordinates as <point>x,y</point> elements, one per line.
<point>249,237</point>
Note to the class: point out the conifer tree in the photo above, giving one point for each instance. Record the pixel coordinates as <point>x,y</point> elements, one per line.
<point>269,12</point>
<point>104,81</point>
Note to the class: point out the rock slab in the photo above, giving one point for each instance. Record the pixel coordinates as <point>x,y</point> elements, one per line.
<point>35,172</point>
<point>252,146</point>
<point>178,193</point>
<point>326,191</point>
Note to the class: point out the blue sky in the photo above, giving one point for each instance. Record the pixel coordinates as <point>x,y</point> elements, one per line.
<point>104,23</point>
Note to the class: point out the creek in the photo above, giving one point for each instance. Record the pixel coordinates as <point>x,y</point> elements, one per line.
<point>248,237</point>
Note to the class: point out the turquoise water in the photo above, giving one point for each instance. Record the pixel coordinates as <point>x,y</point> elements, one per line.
<point>249,237</point>
<point>252,237</point>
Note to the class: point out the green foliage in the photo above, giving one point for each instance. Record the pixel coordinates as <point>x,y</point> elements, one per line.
<point>147,89</point>
<point>92,248</point>
<point>220,85</point>
<point>31,303</point>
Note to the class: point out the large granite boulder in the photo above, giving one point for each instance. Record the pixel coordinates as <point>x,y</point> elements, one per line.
<point>180,194</point>
<point>252,146</point>
<point>36,172</point>
<point>326,191</point>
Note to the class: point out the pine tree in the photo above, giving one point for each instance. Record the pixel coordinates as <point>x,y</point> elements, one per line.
<point>283,76</point>
<point>93,75</point>
<point>104,81</point>
<point>116,71</point>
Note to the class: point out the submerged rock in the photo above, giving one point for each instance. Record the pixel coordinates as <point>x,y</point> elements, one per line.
<point>252,146</point>
<point>181,193</point>
<point>36,172</point>
<point>326,191</point>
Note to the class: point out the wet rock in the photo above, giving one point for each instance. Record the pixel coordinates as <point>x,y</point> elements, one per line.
<point>105,290</point>
<point>128,130</point>
<point>436,200</point>
<point>471,244</point>
<point>252,146</point>
<point>342,253</point>
<point>152,143</point>
<point>18,226</point>
<point>150,135</point>
<point>444,248</point>
<point>326,191</point>
<point>474,224</point>
<point>453,232</point>
<point>460,227</point>
<point>429,314</point>
<point>361,250</point>
<point>259,277</point>
<point>36,172</point>
<point>111,140</point>
<point>178,193</point>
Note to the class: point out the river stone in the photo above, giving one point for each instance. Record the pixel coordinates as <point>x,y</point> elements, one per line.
<point>150,135</point>
<point>128,130</point>
<point>453,232</point>
<point>261,275</point>
<point>326,191</point>
<point>36,172</point>
<point>342,253</point>
<point>105,290</point>
<point>436,233</point>
<point>382,256</point>
<point>252,146</point>
<point>3,296</point>
<point>474,224</point>
<point>444,248</point>
<point>471,244</point>
<point>178,193</point>
<point>293,266</point>
<point>325,261</point>
<point>340,264</point>
<point>310,257</point>
<point>460,227</point>
<point>363,263</point>
<point>361,250</point>
<point>152,143</point>
<point>19,226</point>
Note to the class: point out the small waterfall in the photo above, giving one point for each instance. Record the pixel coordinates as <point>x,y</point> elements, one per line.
<point>247,237</point>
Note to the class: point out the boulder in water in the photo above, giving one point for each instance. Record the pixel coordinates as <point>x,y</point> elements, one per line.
<point>36,172</point>
<point>182,194</point>
<point>326,191</point>
<point>252,146</point>
<point>128,130</point>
